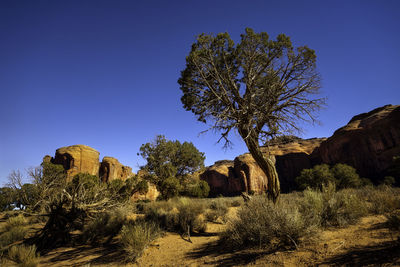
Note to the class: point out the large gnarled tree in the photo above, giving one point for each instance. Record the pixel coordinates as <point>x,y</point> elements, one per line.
<point>260,87</point>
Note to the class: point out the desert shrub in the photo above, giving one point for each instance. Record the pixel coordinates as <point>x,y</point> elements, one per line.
<point>236,203</point>
<point>393,221</point>
<point>177,214</point>
<point>24,256</point>
<point>330,208</point>
<point>342,175</point>
<point>136,237</point>
<point>199,189</point>
<point>345,176</point>
<point>104,225</point>
<point>14,234</point>
<point>315,178</point>
<point>170,188</point>
<point>389,180</point>
<point>13,230</point>
<point>381,199</point>
<point>218,210</point>
<point>262,224</point>
<point>14,221</point>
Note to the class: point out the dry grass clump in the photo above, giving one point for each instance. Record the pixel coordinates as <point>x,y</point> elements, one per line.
<point>382,199</point>
<point>330,208</point>
<point>23,256</point>
<point>177,214</point>
<point>13,230</point>
<point>262,224</point>
<point>136,237</point>
<point>217,210</point>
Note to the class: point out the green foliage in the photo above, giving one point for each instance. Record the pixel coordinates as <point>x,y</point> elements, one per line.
<point>345,176</point>
<point>316,177</point>
<point>24,256</point>
<point>260,87</point>
<point>170,163</point>
<point>389,180</point>
<point>7,198</point>
<point>342,175</point>
<point>14,229</point>
<point>170,187</point>
<point>135,238</point>
<point>197,188</point>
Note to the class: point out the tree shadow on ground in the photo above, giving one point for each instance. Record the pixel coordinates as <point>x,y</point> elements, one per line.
<point>102,255</point>
<point>220,255</point>
<point>384,253</point>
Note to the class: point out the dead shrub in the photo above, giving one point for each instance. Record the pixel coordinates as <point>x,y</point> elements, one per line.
<point>381,199</point>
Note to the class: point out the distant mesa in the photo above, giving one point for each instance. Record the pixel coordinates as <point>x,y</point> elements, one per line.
<point>368,143</point>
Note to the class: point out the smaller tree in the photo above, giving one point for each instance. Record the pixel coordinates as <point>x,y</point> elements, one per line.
<point>170,163</point>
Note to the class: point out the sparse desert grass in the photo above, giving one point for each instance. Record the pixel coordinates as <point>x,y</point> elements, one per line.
<point>136,237</point>
<point>106,225</point>
<point>23,256</point>
<point>217,210</point>
<point>382,199</point>
<point>13,230</point>
<point>179,214</point>
<point>330,208</point>
<point>262,224</point>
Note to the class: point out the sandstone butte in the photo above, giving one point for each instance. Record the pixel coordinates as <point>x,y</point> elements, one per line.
<point>84,159</point>
<point>368,143</point>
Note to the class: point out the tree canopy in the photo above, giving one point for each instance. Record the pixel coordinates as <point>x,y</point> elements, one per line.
<point>170,163</point>
<point>260,87</point>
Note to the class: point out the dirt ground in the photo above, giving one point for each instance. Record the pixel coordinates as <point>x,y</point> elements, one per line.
<point>368,243</point>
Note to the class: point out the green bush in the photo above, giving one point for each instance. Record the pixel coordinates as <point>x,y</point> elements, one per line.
<point>170,188</point>
<point>315,178</point>
<point>265,225</point>
<point>24,256</point>
<point>199,189</point>
<point>13,230</point>
<point>342,175</point>
<point>135,238</point>
<point>345,176</point>
<point>389,180</point>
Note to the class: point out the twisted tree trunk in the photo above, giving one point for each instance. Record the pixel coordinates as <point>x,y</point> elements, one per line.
<point>266,165</point>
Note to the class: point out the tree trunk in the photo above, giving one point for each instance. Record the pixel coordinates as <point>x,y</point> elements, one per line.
<point>266,164</point>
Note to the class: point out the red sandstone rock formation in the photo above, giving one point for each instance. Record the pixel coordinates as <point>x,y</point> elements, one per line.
<point>368,142</point>
<point>111,169</point>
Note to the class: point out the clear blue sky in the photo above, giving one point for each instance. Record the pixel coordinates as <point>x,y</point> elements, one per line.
<point>104,73</point>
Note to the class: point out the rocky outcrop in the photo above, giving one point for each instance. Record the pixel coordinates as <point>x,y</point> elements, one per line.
<point>244,175</point>
<point>152,194</point>
<point>77,159</point>
<point>368,142</point>
<point>222,179</point>
<point>111,169</point>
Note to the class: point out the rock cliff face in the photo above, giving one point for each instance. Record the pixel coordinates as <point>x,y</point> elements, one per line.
<point>151,194</point>
<point>244,175</point>
<point>368,143</point>
<point>77,159</point>
<point>111,169</point>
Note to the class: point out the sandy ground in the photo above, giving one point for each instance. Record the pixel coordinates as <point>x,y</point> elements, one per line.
<point>367,243</point>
